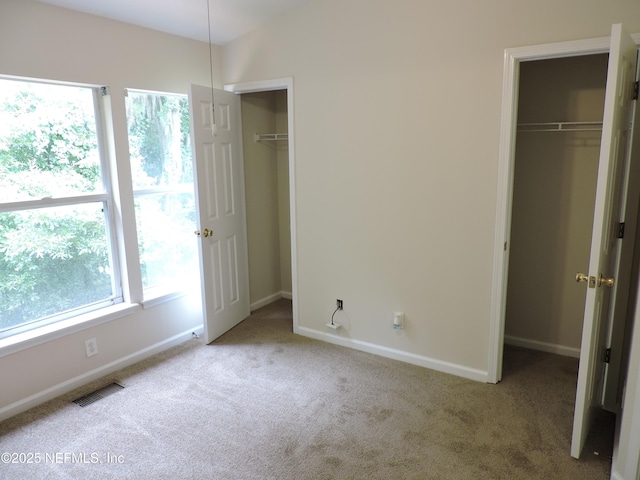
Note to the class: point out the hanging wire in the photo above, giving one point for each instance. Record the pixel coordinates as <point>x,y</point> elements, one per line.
<point>213,110</point>
<point>334,312</point>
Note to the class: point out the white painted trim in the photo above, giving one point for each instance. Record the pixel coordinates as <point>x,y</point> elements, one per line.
<point>427,362</point>
<point>117,148</point>
<point>506,158</point>
<point>73,383</point>
<point>616,476</point>
<point>269,299</point>
<point>260,86</point>
<point>265,301</point>
<point>575,48</point>
<point>542,346</point>
<point>630,420</point>
<point>53,331</point>
<point>512,59</point>
<point>283,84</point>
<point>154,299</point>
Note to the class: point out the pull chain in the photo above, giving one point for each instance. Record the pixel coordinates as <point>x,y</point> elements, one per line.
<point>214,129</point>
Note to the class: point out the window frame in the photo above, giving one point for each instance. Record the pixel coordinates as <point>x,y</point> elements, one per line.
<point>106,197</point>
<point>158,293</point>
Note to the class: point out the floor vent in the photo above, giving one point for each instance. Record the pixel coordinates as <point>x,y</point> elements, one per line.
<point>98,394</point>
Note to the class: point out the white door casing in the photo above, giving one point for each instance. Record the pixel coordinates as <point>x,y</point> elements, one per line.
<point>265,86</point>
<point>604,241</point>
<point>506,165</point>
<point>629,463</point>
<point>220,208</point>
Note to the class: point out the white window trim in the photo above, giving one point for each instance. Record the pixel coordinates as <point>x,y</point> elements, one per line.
<point>110,118</point>
<point>25,336</point>
<point>161,293</point>
<point>52,331</point>
<point>69,326</point>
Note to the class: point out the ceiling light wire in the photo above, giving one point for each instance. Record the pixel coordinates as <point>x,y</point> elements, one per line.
<point>213,111</point>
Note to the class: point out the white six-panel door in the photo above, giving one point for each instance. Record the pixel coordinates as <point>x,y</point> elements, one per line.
<point>220,206</point>
<point>615,370</point>
<point>604,242</point>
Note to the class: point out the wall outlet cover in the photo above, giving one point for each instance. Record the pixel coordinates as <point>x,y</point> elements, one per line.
<point>91,346</point>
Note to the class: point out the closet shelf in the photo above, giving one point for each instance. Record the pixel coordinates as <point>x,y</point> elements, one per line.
<point>560,127</point>
<point>271,137</point>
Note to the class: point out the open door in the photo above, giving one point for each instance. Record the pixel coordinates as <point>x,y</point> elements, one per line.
<point>604,257</point>
<point>615,369</point>
<point>219,172</point>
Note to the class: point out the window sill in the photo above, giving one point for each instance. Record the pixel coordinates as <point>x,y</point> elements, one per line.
<point>37,336</point>
<point>156,296</point>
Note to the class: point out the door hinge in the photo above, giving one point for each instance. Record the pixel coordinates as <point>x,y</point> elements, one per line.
<point>621,230</point>
<point>636,90</point>
<point>607,355</point>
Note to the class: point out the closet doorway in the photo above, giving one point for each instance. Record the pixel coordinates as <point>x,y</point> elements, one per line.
<point>616,200</point>
<point>557,150</point>
<point>560,109</point>
<point>269,164</point>
<point>266,172</point>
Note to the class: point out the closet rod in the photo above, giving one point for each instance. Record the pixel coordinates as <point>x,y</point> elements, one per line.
<point>271,137</point>
<point>560,127</point>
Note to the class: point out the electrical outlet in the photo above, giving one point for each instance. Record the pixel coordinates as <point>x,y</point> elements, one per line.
<point>92,347</point>
<point>339,304</point>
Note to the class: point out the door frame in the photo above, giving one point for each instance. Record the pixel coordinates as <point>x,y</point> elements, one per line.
<point>629,462</point>
<point>506,165</point>
<point>267,86</point>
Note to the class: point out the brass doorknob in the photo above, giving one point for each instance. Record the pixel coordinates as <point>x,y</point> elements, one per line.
<point>608,281</point>
<point>205,233</point>
<point>581,277</point>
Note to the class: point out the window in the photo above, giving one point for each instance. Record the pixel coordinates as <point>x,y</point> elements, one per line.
<point>162,174</point>
<point>56,245</point>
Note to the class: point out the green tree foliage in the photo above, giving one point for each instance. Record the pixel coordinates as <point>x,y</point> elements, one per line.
<point>160,153</point>
<point>159,141</point>
<point>54,259</point>
<point>51,259</point>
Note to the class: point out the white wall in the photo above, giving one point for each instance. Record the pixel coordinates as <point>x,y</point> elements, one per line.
<point>397,122</point>
<point>397,111</point>
<point>47,42</point>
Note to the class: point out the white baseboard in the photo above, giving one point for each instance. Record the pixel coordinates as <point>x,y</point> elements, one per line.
<point>432,363</point>
<point>616,476</point>
<point>73,383</point>
<point>542,346</point>
<point>270,299</point>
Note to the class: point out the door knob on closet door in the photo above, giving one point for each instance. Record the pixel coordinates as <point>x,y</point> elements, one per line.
<point>205,233</point>
<point>608,281</point>
<point>582,277</point>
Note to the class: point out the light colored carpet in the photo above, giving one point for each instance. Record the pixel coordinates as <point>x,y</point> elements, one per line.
<point>263,403</point>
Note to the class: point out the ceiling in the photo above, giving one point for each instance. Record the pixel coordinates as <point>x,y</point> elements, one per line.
<point>230,19</point>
